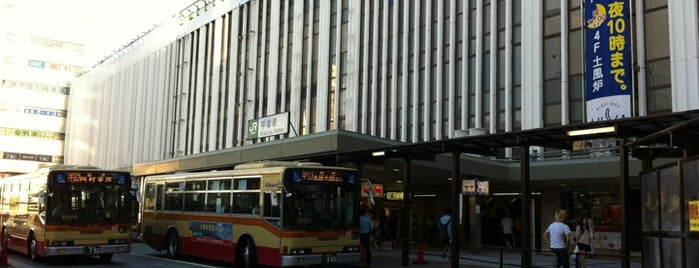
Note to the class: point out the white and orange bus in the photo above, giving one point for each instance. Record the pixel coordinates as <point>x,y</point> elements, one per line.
<point>271,213</point>
<point>68,210</point>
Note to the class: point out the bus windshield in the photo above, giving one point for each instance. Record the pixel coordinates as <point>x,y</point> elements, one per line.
<point>322,204</point>
<point>73,203</point>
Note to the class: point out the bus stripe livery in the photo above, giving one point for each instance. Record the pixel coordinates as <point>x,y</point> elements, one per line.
<point>273,213</point>
<point>68,210</point>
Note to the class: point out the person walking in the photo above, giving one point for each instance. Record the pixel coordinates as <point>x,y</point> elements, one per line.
<point>507,224</point>
<point>366,226</point>
<point>583,236</point>
<point>445,230</point>
<point>557,236</point>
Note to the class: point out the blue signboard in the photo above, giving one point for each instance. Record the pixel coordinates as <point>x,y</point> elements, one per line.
<point>607,59</point>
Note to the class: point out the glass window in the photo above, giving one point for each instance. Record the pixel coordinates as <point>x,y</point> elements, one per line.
<point>218,202</point>
<point>575,62</point>
<point>657,35</point>
<point>320,206</point>
<point>219,184</point>
<point>150,197</point>
<point>552,25</point>
<point>174,195</point>
<point>246,203</point>
<point>173,201</point>
<point>196,185</point>
<point>574,4</point>
<point>575,96</point>
<point>551,7</point>
<point>194,202</point>
<point>272,207</point>
<point>552,57</point>
<point>247,184</point>
<point>658,73</point>
<point>659,100</point>
<point>552,115</point>
<point>575,20</point>
<point>651,4</point>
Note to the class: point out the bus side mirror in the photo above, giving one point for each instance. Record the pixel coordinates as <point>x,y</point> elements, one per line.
<point>135,193</point>
<point>42,197</point>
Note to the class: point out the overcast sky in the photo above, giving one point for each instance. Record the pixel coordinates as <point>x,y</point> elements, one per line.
<point>101,25</point>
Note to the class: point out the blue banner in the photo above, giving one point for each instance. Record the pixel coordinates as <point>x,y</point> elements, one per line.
<point>607,59</point>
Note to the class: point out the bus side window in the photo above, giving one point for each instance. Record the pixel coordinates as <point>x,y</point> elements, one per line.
<point>244,203</point>
<point>149,202</point>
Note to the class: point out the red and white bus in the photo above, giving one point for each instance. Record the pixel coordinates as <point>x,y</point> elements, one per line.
<point>271,213</point>
<point>68,210</point>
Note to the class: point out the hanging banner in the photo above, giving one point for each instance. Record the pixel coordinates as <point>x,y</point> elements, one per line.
<point>607,59</point>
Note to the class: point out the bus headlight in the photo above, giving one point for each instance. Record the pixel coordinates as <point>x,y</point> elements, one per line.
<point>350,249</point>
<point>118,241</point>
<point>300,251</point>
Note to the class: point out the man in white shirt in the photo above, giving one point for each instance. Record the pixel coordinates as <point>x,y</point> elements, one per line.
<point>558,235</point>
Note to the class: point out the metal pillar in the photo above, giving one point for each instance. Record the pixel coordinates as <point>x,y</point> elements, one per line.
<point>405,212</point>
<point>526,238</point>
<point>456,191</point>
<point>624,186</point>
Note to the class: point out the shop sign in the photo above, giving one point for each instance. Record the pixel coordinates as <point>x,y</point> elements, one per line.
<point>693,215</point>
<point>394,196</point>
<point>376,187</point>
<point>475,187</point>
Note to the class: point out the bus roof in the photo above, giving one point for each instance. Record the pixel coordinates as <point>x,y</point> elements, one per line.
<point>267,164</point>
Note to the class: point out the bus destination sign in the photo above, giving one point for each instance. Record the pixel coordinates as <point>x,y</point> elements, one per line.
<point>322,176</point>
<point>90,178</point>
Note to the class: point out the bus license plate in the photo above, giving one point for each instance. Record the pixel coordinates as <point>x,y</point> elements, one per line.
<point>329,258</point>
<point>91,250</point>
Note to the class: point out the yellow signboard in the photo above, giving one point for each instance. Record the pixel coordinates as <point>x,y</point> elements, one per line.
<point>396,196</point>
<point>693,215</point>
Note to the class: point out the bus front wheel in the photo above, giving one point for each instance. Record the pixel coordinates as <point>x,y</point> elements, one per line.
<point>33,249</point>
<point>246,253</point>
<point>173,245</point>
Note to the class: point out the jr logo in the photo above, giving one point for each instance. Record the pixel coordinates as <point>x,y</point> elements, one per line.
<point>253,127</point>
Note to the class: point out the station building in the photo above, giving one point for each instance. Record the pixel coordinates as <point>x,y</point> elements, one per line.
<point>228,82</point>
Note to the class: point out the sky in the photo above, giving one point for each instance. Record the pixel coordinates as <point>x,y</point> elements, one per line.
<point>101,25</point>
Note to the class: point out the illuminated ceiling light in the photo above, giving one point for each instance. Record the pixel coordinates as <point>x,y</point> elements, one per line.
<point>591,131</point>
<point>378,153</point>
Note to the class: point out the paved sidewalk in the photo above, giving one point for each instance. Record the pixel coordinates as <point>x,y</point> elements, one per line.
<point>479,258</point>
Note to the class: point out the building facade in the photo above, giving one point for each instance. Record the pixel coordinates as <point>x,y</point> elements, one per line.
<point>408,71</point>
<point>36,73</point>
<point>400,71</point>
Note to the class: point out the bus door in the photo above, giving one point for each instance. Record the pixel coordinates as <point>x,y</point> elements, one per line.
<point>271,210</point>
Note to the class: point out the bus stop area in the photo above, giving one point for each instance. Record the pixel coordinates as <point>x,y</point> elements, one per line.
<point>481,258</point>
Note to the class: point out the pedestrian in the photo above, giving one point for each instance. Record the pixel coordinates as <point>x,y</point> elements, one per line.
<point>507,236</point>
<point>558,235</point>
<point>445,224</point>
<point>583,236</point>
<point>591,225</point>
<point>365,228</point>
